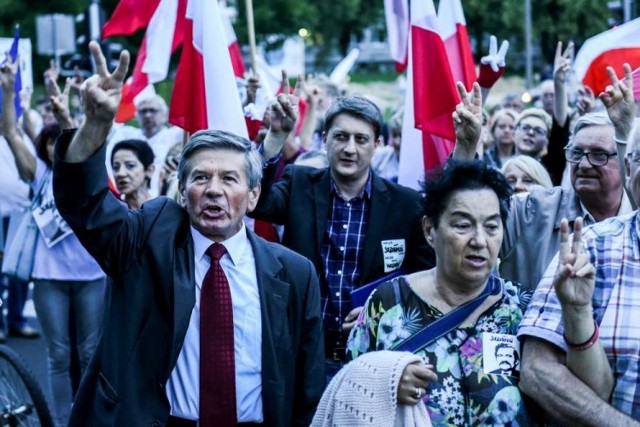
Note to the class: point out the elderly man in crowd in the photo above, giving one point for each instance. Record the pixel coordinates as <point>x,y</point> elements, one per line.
<point>580,356</point>
<point>532,232</point>
<point>152,114</point>
<point>355,226</point>
<point>208,324</point>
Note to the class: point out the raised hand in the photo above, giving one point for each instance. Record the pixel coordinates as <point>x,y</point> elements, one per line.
<point>51,75</point>
<point>562,63</point>
<point>284,111</point>
<point>618,98</point>
<point>467,119</point>
<point>413,383</point>
<point>8,72</point>
<point>575,277</point>
<point>101,92</point>
<point>253,84</point>
<point>586,100</point>
<point>492,66</point>
<point>60,103</point>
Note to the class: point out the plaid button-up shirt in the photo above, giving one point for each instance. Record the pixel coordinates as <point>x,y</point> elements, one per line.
<point>341,252</point>
<point>614,249</point>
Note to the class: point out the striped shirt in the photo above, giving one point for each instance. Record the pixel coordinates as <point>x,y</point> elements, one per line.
<point>341,252</point>
<point>613,246</point>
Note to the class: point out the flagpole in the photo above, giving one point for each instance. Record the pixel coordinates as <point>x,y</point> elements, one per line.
<point>252,35</point>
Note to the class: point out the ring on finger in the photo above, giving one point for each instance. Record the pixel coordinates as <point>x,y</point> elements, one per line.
<point>418,393</point>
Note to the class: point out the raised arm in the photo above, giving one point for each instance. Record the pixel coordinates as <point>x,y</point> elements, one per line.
<point>283,114</point>
<point>101,96</point>
<point>60,104</point>
<point>618,98</point>
<point>574,284</point>
<point>561,70</point>
<point>25,160</point>
<point>467,120</point>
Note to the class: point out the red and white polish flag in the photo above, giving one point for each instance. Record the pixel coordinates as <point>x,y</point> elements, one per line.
<point>205,95</point>
<point>234,47</point>
<point>453,30</point>
<point>613,48</point>
<point>428,135</point>
<point>164,20</point>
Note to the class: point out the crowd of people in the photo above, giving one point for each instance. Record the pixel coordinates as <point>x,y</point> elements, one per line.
<point>215,280</point>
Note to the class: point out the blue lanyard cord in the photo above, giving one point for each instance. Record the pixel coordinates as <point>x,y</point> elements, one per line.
<point>449,321</point>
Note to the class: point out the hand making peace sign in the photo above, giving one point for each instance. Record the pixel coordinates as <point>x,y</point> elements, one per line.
<point>101,92</point>
<point>575,277</point>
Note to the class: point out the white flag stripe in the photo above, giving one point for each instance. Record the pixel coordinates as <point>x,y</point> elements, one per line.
<point>159,41</point>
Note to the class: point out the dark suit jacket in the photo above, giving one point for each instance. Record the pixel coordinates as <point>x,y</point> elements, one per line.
<point>149,255</point>
<point>300,200</point>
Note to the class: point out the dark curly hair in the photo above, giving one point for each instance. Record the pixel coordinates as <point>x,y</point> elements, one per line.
<point>48,133</point>
<point>459,175</point>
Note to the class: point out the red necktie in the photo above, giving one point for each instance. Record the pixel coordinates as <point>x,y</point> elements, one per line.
<point>217,357</point>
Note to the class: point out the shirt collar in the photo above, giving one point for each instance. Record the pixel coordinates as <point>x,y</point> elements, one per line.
<point>366,190</point>
<point>625,208</point>
<point>236,245</point>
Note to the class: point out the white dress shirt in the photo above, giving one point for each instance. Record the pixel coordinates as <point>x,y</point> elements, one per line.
<point>183,387</point>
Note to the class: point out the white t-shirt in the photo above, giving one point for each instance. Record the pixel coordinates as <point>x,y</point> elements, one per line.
<point>160,143</point>
<point>14,193</point>
<point>67,259</point>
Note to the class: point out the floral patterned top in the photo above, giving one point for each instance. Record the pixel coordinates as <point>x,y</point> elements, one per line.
<point>464,394</point>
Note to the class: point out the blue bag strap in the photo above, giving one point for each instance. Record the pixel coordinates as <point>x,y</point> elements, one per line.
<point>449,321</point>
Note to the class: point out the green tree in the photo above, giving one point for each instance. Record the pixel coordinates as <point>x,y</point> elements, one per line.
<point>552,20</point>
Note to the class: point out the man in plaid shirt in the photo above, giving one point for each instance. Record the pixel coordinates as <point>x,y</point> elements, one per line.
<point>353,225</point>
<point>580,332</point>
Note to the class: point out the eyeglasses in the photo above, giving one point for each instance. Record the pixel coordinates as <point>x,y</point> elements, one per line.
<point>595,158</point>
<point>536,130</point>
<point>147,111</point>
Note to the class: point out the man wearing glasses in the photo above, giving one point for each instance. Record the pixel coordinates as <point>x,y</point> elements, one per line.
<point>532,231</point>
<point>532,133</point>
<point>592,379</point>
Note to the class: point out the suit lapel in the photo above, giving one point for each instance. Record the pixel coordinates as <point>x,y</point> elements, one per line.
<point>380,201</point>
<point>321,195</point>
<point>274,300</point>
<point>184,297</point>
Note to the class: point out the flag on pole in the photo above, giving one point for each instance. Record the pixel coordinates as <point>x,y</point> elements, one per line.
<point>17,87</point>
<point>612,48</point>
<point>129,16</point>
<point>205,95</point>
<point>428,135</point>
<point>396,13</point>
<point>453,30</point>
<point>165,31</point>
<point>234,47</point>
<point>434,93</point>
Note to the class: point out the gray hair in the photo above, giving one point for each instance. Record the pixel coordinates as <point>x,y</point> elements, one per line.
<point>221,140</point>
<point>155,100</point>
<point>589,120</point>
<point>356,106</point>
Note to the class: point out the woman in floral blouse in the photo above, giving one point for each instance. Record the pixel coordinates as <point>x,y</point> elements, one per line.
<point>471,368</point>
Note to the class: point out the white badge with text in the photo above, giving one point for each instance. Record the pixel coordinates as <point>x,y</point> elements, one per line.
<point>500,354</point>
<point>393,253</point>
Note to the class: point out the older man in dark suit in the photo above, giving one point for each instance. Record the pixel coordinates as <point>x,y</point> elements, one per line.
<point>355,226</point>
<point>208,324</point>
